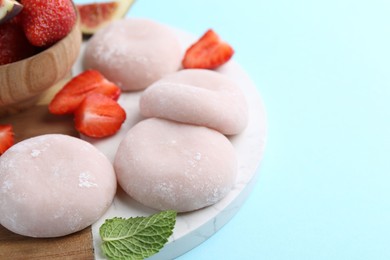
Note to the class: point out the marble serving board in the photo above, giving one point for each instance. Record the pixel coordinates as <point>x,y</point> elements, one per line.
<point>191,228</point>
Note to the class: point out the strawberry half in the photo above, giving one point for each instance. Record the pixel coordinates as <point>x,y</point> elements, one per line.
<point>73,93</point>
<point>209,52</point>
<point>99,116</point>
<point>6,137</point>
<point>45,22</point>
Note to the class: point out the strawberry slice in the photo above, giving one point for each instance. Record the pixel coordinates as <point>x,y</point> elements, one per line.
<point>73,93</point>
<point>209,52</point>
<point>99,116</point>
<point>6,137</point>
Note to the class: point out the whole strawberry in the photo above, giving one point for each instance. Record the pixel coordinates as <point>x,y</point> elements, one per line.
<point>14,45</point>
<point>45,22</point>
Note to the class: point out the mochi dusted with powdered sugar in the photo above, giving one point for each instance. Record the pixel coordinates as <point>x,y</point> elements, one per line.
<point>199,97</point>
<point>133,52</point>
<point>168,165</point>
<point>53,185</point>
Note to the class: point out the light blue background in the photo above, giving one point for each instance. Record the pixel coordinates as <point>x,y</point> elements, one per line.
<point>322,68</point>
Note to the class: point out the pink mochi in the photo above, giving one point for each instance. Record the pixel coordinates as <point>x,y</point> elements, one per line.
<point>199,97</point>
<point>168,165</point>
<point>53,185</point>
<point>133,53</point>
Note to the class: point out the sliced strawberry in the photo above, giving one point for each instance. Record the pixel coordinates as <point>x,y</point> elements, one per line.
<point>209,52</point>
<point>45,22</point>
<point>6,137</point>
<point>99,116</point>
<point>73,93</point>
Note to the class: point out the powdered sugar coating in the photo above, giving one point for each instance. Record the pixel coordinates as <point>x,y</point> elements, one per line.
<point>199,97</point>
<point>169,165</point>
<point>133,52</point>
<point>53,185</point>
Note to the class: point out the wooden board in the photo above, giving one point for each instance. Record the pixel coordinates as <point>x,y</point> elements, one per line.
<point>75,246</point>
<point>33,122</point>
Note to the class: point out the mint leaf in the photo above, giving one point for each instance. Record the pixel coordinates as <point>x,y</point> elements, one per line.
<point>136,238</point>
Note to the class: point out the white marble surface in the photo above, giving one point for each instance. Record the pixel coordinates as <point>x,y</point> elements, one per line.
<point>192,228</point>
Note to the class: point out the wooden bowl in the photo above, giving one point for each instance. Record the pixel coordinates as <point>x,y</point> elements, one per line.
<point>24,81</point>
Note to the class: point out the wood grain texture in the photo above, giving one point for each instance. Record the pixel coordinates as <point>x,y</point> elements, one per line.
<point>21,82</point>
<point>75,246</point>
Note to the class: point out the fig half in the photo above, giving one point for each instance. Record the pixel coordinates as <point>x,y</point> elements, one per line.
<point>95,16</point>
<point>9,9</point>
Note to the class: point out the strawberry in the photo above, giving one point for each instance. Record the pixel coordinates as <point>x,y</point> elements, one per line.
<point>45,22</point>
<point>14,45</point>
<point>17,20</point>
<point>6,137</point>
<point>99,116</point>
<point>73,93</point>
<point>209,52</point>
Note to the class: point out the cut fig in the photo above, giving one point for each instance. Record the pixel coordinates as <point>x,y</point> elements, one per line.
<point>9,9</point>
<point>95,16</point>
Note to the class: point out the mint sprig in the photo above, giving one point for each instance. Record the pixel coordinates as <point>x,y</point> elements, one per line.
<point>138,237</point>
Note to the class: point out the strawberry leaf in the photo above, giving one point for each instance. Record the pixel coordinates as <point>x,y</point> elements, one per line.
<point>136,238</point>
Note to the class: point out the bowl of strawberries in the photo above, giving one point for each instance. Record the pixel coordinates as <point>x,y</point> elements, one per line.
<point>39,42</point>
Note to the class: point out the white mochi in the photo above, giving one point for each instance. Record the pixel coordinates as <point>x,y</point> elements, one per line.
<point>53,185</point>
<point>134,52</point>
<point>199,97</point>
<point>168,165</point>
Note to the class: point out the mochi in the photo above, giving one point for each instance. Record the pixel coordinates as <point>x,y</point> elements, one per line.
<point>133,52</point>
<point>168,165</point>
<point>53,185</point>
<point>200,97</point>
